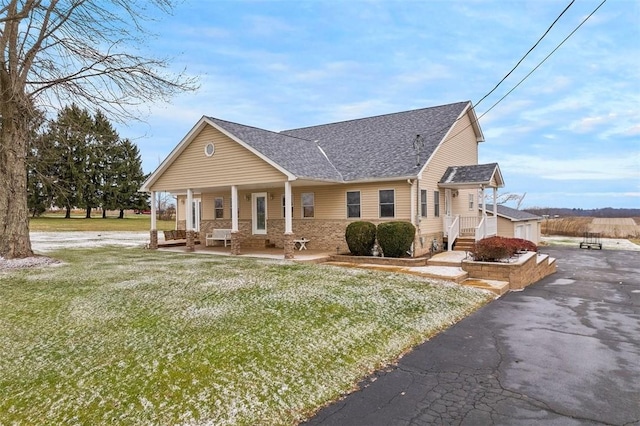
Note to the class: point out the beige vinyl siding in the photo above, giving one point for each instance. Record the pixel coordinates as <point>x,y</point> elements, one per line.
<point>459,149</point>
<point>506,228</point>
<point>231,164</point>
<point>330,201</point>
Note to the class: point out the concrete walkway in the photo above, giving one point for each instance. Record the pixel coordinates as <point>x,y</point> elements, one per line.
<point>565,351</point>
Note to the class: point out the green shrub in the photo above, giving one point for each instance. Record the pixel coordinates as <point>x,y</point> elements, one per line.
<point>395,238</point>
<point>360,236</point>
<point>494,249</point>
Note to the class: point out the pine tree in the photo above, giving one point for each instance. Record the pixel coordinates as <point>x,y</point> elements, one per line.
<point>130,178</point>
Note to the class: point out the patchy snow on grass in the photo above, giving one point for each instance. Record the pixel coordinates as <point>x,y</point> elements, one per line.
<point>148,337</point>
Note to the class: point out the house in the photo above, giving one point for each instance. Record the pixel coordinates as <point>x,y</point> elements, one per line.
<point>271,188</point>
<point>517,223</point>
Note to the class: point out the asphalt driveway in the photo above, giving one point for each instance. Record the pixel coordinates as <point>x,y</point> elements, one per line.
<point>565,351</point>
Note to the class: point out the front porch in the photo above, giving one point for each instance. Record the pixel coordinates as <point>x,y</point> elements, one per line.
<point>472,227</point>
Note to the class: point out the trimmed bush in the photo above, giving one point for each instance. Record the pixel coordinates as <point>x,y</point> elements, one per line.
<point>494,249</point>
<point>360,236</point>
<point>395,238</point>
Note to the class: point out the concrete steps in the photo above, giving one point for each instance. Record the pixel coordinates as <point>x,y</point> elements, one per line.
<point>464,244</point>
<point>497,287</point>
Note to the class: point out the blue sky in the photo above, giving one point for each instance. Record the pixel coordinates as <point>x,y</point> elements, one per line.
<point>568,136</point>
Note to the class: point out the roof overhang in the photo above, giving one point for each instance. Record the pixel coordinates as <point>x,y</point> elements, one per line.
<point>493,179</point>
<point>195,130</point>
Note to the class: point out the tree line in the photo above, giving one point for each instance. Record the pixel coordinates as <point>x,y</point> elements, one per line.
<point>608,212</point>
<point>78,160</point>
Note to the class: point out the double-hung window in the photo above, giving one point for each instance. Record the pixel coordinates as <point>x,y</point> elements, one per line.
<point>423,202</point>
<point>284,211</point>
<point>219,208</point>
<point>471,202</point>
<point>436,203</point>
<point>353,204</point>
<point>308,205</point>
<point>387,202</point>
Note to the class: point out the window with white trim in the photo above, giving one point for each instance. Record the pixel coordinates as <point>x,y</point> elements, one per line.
<point>308,205</point>
<point>353,204</point>
<point>436,203</point>
<point>283,207</point>
<point>219,208</point>
<point>471,202</point>
<point>423,202</point>
<point>386,198</point>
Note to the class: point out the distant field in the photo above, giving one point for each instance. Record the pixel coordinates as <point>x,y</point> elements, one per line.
<point>56,222</point>
<point>607,227</point>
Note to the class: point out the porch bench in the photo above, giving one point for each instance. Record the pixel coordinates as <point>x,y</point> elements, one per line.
<point>219,235</point>
<point>178,234</point>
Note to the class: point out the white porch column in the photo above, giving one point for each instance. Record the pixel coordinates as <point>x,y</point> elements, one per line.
<point>484,202</point>
<point>495,204</point>
<point>288,220</point>
<point>189,210</point>
<point>153,211</point>
<point>447,202</point>
<point>234,210</point>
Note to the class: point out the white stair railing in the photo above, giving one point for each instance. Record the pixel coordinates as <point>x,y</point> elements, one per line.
<point>481,229</point>
<point>453,232</point>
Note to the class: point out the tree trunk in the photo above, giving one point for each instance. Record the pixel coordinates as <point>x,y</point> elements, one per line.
<point>67,214</point>
<point>88,215</point>
<point>104,213</point>
<point>14,213</point>
<point>121,214</point>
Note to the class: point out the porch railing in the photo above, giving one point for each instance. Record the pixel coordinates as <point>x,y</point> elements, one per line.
<point>492,226</point>
<point>453,232</point>
<point>487,227</point>
<point>481,229</point>
<point>468,224</point>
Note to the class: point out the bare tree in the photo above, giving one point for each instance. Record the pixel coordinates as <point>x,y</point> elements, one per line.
<point>61,51</point>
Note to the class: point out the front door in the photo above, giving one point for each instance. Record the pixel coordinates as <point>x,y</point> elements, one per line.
<point>259,212</point>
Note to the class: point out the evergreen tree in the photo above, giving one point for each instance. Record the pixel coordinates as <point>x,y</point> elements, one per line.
<point>129,178</point>
<point>105,156</point>
<point>69,134</point>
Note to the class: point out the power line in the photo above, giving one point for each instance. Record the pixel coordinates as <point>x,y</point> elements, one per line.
<point>530,72</point>
<point>527,54</point>
<point>544,60</point>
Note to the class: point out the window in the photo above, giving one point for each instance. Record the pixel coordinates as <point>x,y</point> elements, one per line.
<point>219,208</point>
<point>387,202</point>
<point>308,204</point>
<point>470,201</point>
<point>283,206</point>
<point>353,204</point>
<point>436,203</point>
<point>423,202</point>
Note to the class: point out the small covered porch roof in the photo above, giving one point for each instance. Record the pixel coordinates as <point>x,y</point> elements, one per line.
<point>478,175</point>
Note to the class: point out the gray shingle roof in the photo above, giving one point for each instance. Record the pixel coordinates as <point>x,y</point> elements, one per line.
<point>513,214</point>
<point>479,173</point>
<point>298,156</point>
<point>382,146</point>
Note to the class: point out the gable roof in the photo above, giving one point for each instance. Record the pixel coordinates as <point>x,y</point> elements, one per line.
<point>373,148</point>
<point>478,174</point>
<point>512,214</point>
<point>300,157</point>
<point>382,146</point>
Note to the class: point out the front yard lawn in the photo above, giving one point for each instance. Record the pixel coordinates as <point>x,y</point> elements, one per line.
<point>127,336</point>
